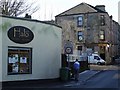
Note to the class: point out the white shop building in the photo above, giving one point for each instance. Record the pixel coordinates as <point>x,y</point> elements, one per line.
<point>29,49</point>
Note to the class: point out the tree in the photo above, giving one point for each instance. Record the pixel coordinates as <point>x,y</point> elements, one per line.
<point>17,7</point>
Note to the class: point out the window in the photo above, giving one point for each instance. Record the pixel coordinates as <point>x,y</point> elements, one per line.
<point>102,35</point>
<point>96,57</point>
<point>102,20</point>
<point>80,48</point>
<point>80,21</point>
<point>80,36</point>
<point>19,60</point>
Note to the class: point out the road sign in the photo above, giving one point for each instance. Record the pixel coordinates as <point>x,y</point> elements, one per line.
<point>68,50</point>
<point>68,47</point>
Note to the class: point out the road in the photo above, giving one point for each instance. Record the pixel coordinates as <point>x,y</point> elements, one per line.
<point>108,78</point>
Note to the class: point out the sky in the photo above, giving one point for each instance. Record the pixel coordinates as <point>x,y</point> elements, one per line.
<point>50,8</point>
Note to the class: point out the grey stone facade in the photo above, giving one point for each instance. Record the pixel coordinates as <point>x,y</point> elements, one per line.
<point>98,31</point>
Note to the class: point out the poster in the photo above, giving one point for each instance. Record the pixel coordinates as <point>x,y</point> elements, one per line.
<point>13,59</point>
<point>15,68</point>
<point>23,60</point>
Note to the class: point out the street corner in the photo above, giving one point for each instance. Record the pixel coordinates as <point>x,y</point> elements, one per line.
<point>88,74</point>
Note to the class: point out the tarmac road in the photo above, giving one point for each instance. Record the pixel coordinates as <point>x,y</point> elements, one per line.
<point>106,79</point>
<point>105,76</point>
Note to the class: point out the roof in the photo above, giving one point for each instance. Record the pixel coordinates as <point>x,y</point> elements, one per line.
<point>32,20</point>
<point>81,8</point>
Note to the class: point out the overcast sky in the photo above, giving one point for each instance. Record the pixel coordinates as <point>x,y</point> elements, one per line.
<point>50,8</point>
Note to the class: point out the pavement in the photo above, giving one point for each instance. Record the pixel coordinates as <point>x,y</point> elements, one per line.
<point>83,77</point>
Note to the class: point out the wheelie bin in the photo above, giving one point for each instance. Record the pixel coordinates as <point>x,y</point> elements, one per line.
<point>65,73</point>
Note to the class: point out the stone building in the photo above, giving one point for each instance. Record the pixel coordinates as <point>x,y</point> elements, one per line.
<point>89,27</point>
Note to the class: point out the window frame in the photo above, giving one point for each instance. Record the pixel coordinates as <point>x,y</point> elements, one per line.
<point>102,35</point>
<point>29,63</point>
<point>80,21</point>
<point>102,20</point>
<point>79,34</point>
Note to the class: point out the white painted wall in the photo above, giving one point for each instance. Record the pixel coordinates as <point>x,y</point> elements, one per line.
<point>46,50</point>
<point>0,50</point>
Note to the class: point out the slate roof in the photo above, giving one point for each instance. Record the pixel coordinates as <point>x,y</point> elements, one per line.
<point>81,8</point>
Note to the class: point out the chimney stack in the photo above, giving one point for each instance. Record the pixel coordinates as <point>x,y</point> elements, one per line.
<point>101,7</point>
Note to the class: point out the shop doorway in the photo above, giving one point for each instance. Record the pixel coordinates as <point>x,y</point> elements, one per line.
<point>102,55</point>
<point>102,52</point>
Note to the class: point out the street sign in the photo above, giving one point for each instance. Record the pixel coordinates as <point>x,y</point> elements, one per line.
<point>68,50</point>
<point>68,47</point>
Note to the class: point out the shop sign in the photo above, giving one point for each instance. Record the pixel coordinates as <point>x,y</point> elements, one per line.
<point>20,34</point>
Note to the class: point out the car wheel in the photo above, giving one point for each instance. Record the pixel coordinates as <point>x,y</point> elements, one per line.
<point>98,63</point>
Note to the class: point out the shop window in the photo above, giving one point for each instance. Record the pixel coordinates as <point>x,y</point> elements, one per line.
<point>80,21</point>
<point>19,60</point>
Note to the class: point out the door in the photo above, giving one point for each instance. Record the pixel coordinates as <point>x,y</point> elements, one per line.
<point>90,59</point>
<point>102,55</point>
<point>96,59</point>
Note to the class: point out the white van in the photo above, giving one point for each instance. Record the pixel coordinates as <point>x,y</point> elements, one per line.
<point>95,59</point>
